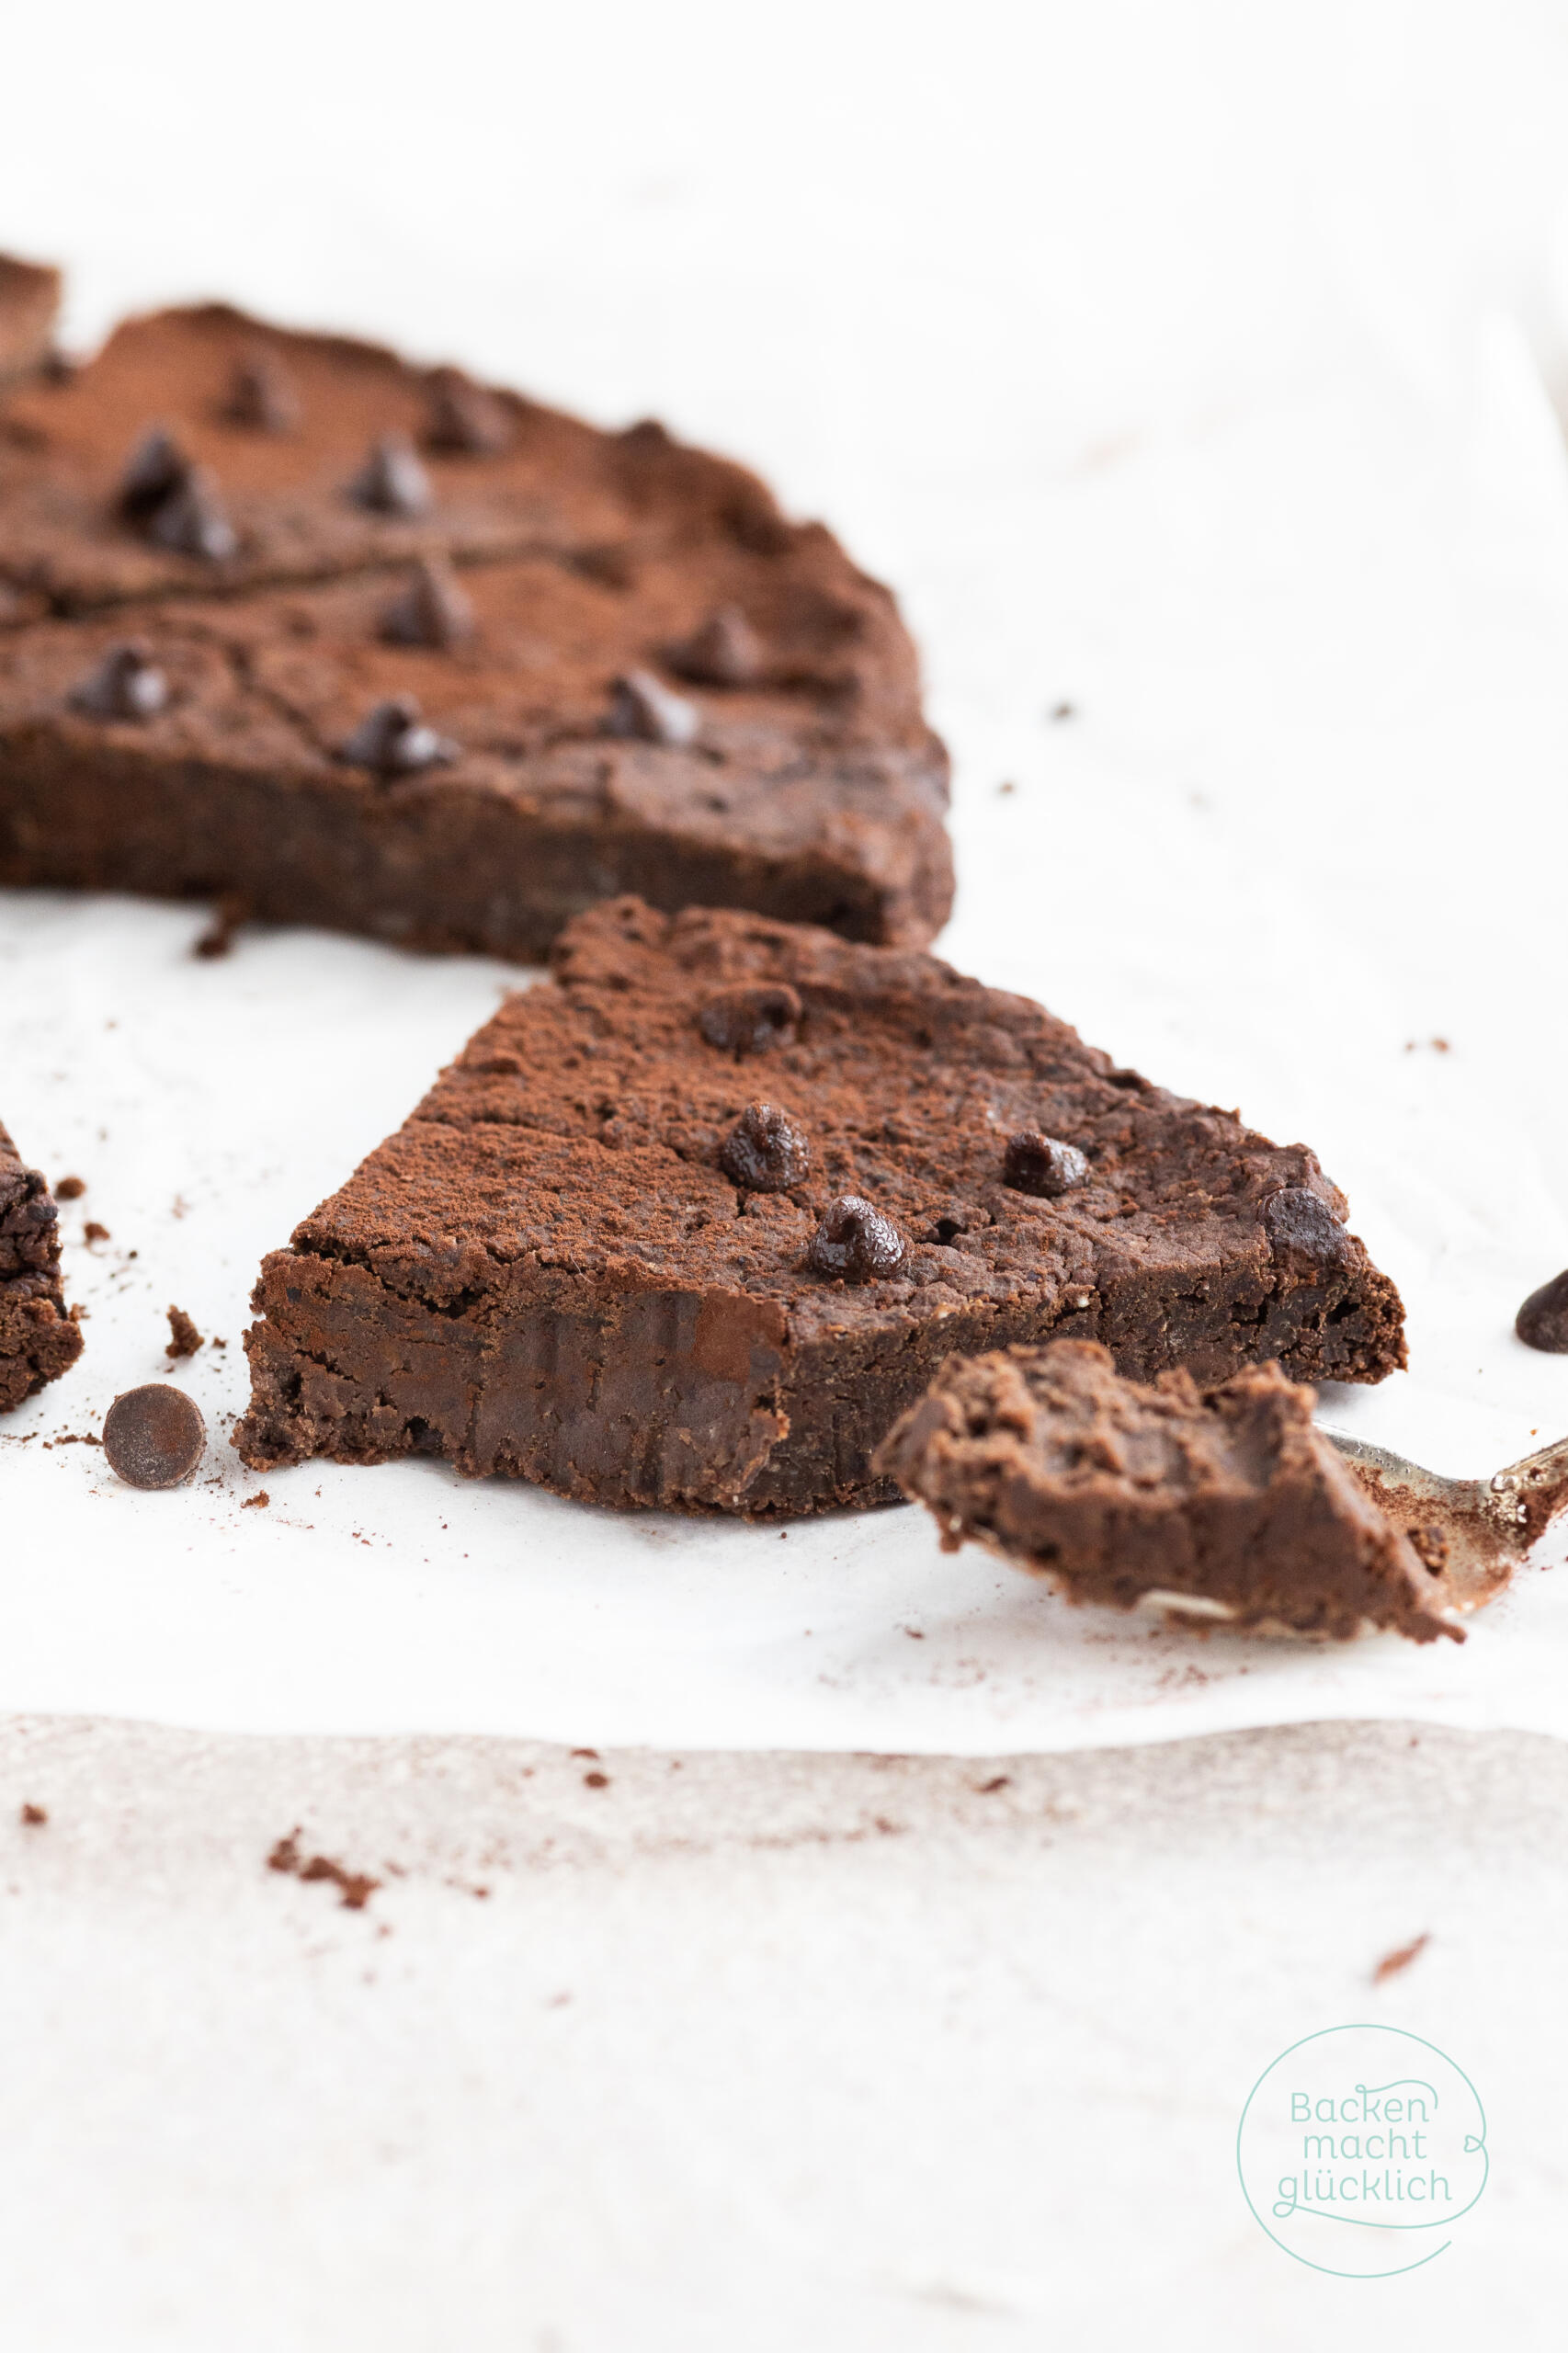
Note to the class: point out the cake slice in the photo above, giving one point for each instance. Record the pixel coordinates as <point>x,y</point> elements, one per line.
<point>39,1336</point>
<point>342,640</point>
<point>1218,1502</point>
<point>692,1223</point>
<point>30,300</point>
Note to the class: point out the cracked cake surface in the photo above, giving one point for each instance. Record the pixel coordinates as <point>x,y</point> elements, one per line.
<point>288,621</point>
<point>690,1223</point>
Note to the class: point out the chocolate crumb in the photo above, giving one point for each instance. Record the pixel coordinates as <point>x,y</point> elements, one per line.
<point>1542,1322</point>
<point>357,1887</point>
<point>184,1338</point>
<point>997,1781</point>
<point>70,1189</point>
<point>765,1151</point>
<point>258,1502</point>
<point>227,915</point>
<point>1401,1957</point>
<point>1040,1164</point>
<point>94,1231</point>
<point>33,1817</point>
<point>153,1436</point>
<point>1064,710</point>
<point>856,1241</point>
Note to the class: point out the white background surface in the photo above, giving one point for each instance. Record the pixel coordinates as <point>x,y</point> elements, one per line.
<point>1187,367</point>
<point>1193,364</point>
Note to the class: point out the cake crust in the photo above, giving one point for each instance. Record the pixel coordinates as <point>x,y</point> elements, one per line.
<point>551,1272</point>
<point>618,665</point>
<point>40,1337</point>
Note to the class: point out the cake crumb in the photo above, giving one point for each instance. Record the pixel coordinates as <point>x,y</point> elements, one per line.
<point>184,1338</point>
<point>357,1887</point>
<point>33,1817</point>
<point>218,938</point>
<point>1401,1957</point>
<point>94,1231</point>
<point>258,1502</point>
<point>70,1189</point>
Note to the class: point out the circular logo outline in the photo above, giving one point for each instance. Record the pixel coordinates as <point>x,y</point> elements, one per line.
<point>1368,2026</point>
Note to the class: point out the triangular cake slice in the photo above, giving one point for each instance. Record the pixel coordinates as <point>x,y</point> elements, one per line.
<point>691,1223</point>
<point>343,641</point>
<point>40,1338</point>
<point>1221,1503</point>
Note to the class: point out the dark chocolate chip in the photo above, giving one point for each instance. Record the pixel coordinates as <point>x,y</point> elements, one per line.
<point>1542,1322</point>
<point>725,652</point>
<point>1302,1230</point>
<point>394,741</point>
<point>765,1151</point>
<point>432,610</point>
<point>752,1020</point>
<point>263,396</point>
<point>464,417</point>
<point>191,519</point>
<point>391,480</point>
<point>855,1241</point>
<point>155,469</point>
<point>641,707</point>
<point>154,1436</point>
<point>127,684</point>
<point>1038,1164</point>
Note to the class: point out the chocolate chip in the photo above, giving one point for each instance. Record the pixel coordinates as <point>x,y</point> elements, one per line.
<point>855,1241</point>
<point>126,685</point>
<point>391,480</point>
<point>725,652</point>
<point>464,417</point>
<point>1040,1164</point>
<point>1542,1322</point>
<point>262,396</point>
<point>751,1021</point>
<point>1302,1230</point>
<point>191,519</point>
<point>765,1151</point>
<point>432,610</point>
<point>394,741</point>
<point>154,1436</point>
<point>639,705</point>
<point>155,469</point>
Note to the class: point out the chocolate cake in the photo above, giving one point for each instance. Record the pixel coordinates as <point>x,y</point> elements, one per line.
<point>342,640</point>
<point>30,300</point>
<point>1218,1502</point>
<point>691,1223</point>
<point>39,1336</point>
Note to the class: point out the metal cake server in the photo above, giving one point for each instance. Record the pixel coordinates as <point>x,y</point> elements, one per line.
<point>1481,1527</point>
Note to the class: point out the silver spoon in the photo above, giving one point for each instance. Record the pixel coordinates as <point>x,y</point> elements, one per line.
<point>1481,1528</point>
